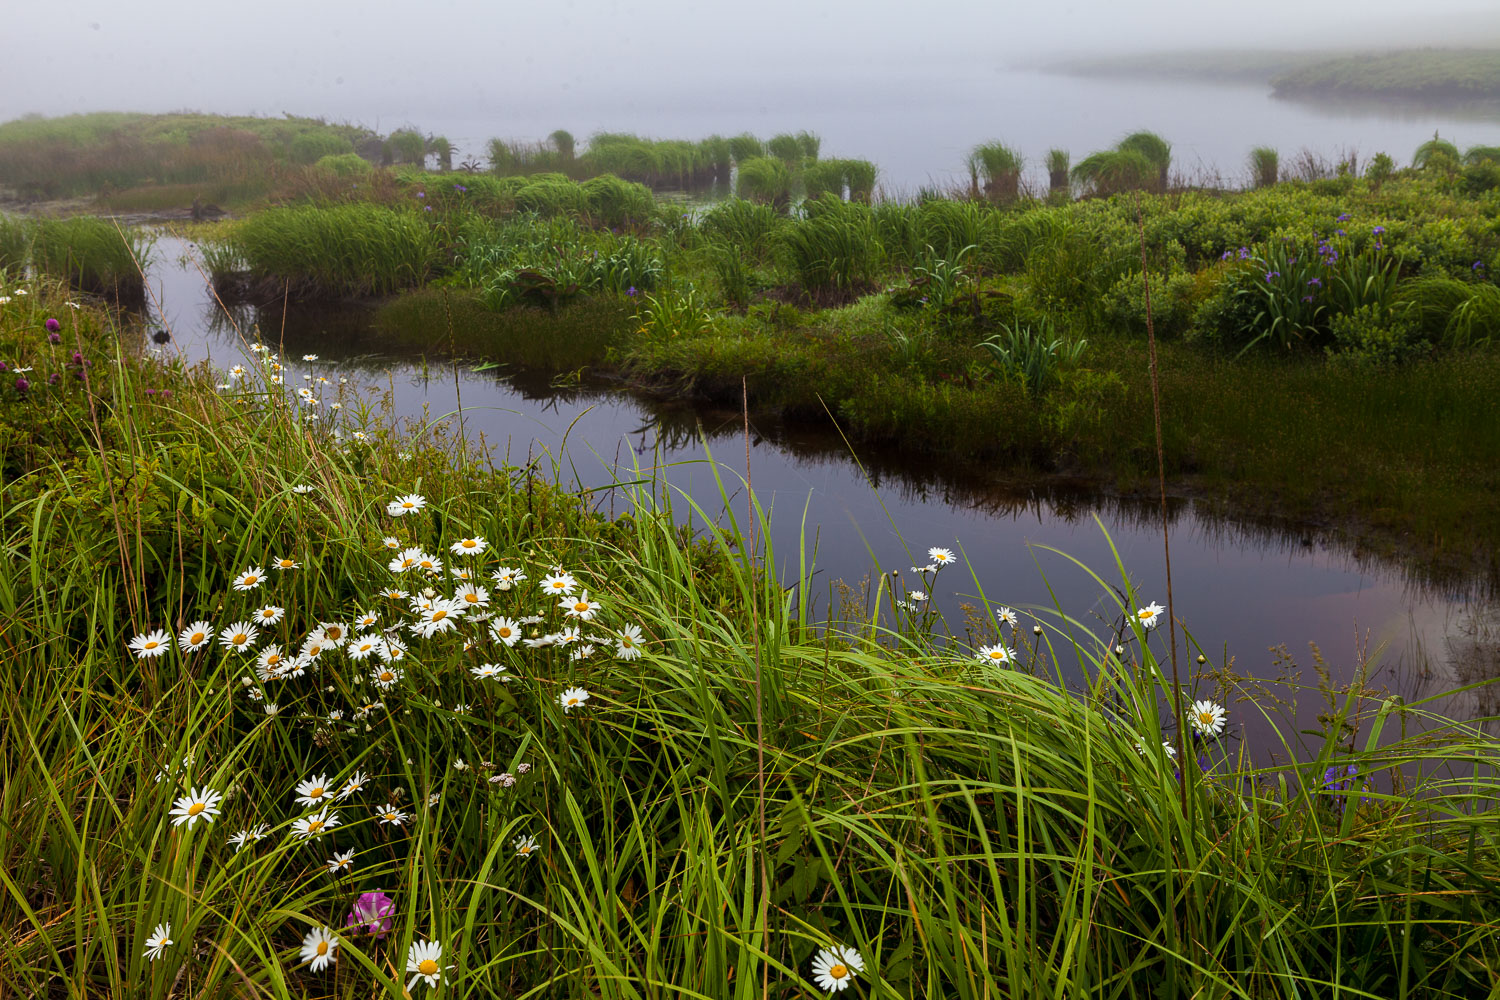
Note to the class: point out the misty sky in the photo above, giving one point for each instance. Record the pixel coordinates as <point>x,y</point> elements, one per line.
<point>398,62</point>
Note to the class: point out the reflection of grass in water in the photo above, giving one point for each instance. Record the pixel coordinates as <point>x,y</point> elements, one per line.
<point>566,339</point>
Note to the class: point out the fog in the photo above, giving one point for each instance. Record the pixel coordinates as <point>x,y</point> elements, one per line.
<point>390,64</point>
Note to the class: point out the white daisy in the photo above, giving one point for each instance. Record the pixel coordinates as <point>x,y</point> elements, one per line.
<point>409,504</point>
<point>834,968</point>
<point>628,642</point>
<point>199,803</point>
<point>486,671</point>
<point>473,597</point>
<point>340,863</point>
<point>579,607</point>
<point>386,677</point>
<point>1149,616</point>
<point>364,645</point>
<point>150,644</point>
<point>1207,718</point>
<point>582,652</point>
<point>314,791</point>
<point>243,838</point>
<point>303,489</point>
<point>423,958</point>
<point>505,630</point>
<point>367,620</point>
<point>941,557</point>
<point>505,577</point>
<point>525,846</point>
<point>429,563</point>
<point>159,941</point>
<point>462,574</point>
<point>250,578</point>
<point>1007,616</point>
<point>405,560</point>
<point>285,563</point>
<point>997,654</point>
<point>271,662</point>
<point>441,617</point>
<point>468,546</point>
<point>572,698</point>
<point>269,615</point>
<point>394,593</point>
<point>195,636</point>
<point>271,708</point>
<point>388,813</point>
<point>318,947</point>
<point>559,583</point>
<point>391,542</point>
<point>315,825</point>
<point>310,357</point>
<point>335,633</point>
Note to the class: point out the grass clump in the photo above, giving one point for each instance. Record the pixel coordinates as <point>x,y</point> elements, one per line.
<point>94,255</point>
<point>335,251</point>
<point>833,252</point>
<point>764,180</point>
<point>999,167</point>
<point>1264,166</point>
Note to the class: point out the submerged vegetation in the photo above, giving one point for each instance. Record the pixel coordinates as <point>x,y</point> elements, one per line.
<point>303,700</point>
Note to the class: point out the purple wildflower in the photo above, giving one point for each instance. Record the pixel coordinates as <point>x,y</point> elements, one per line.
<point>1315,283</point>
<point>1272,274</point>
<point>1228,254</point>
<point>4,367</point>
<point>1378,230</point>
<point>52,379</point>
<point>1343,217</point>
<point>53,325</point>
<point>1244,253</point>
<point>1478,265</point>
<point>426,208</point>
<point>630,291</point>
<point>54,338</point>
<point>421,194</point>
<point>372,913</point>
<point>1307,298</point>
<point>21,384</point>
<point>459,188</point>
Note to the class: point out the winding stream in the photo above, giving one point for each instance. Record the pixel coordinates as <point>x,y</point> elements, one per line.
<point>1241,590</point>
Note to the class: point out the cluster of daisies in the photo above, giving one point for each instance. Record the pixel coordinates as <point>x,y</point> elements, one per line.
<point>379,644</point>
<point>274,373</point>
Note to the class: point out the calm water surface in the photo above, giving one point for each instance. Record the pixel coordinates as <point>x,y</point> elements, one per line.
<point>1241,590</point>
<point>918,124</point>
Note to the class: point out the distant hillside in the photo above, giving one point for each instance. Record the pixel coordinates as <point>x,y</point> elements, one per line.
<point>1241,65</point>
<point>1433,73</point>
<point>1422,73</point>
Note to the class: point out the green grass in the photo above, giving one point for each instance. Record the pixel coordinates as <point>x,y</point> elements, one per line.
<point>94,255</point>
<point>761,783</point>
<point>338,250</point>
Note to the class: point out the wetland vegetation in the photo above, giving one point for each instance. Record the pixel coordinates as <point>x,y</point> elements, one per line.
<point>269,727</point>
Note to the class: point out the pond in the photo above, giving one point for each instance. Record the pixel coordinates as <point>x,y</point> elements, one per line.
<point>1254,595</point>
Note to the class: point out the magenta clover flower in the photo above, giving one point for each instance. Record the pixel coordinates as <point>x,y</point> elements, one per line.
<point>53,325</point>
<point>372,913</point>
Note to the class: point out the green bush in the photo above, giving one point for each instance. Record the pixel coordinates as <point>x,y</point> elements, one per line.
<point>346,165</point>
<point>833,253</point>
<point>1175,300</point>
<point>615,203</point>
<point>549,197</point>
<point>1372,334</point>
<point>764,180</point>
<point>337,250</point>
<point>310,147</point>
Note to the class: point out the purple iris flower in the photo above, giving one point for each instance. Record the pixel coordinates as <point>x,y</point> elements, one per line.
<point>372,913</point>
<point>1244,253</point>
<point>53,325</point>
<point>1272,274</point>
<point>1478,265</point>
<point>1315,283</point>
<point>421,194</point>
<point>1378,230</point>
<point>1228,254</point>
<point>630,291</point>
<point>1343,217</point>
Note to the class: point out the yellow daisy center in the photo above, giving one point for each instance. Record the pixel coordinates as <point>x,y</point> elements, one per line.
<point>272,660</point>
<point>386,675</point>
<point>314,825</point>
<point>335,632</point>
<point>427,967</point>
<point>196,808</point>
<point>468,543</point>
<point>251,578</point>
<point>838,971</point>
<point>316,793</point>
<point>572,701</point>
<point>504,633</point>
<point>1147,615</point>
<point>286,564</point>
<point>1207,718</point>
<point>195,638</point>
<point>581,606</point>
<point>472,598</point>
<point>322,947</point>
<point>240,638</point>
<point>558,585</point>
<point>151,645</point>
<point>408,505</point>
<point>439,615</point>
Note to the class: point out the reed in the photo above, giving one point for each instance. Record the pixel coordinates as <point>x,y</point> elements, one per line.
<point>999,167</point>
<point>1264,166</point>
<point>1436,152</point>
<point>766,181</point>
<point>1058,163</point>
<point>338,250</point>
<point>94,255</point>
<point>1155,149</point>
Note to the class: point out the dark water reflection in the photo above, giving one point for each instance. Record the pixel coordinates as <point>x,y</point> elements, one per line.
<point>1245,589</point>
